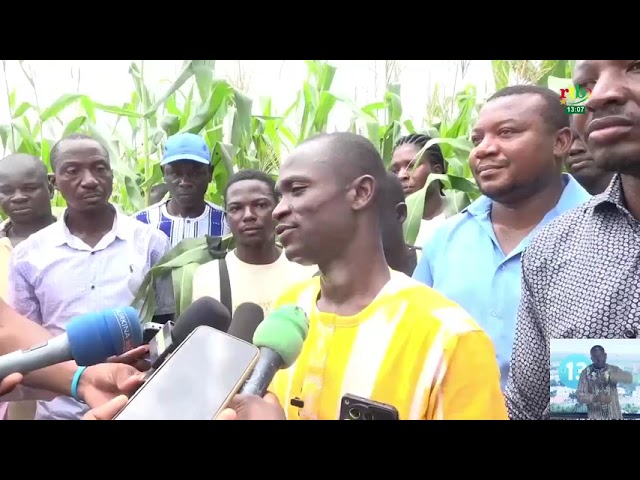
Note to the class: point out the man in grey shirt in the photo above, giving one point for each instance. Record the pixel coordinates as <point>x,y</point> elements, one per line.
<point>581,274</point>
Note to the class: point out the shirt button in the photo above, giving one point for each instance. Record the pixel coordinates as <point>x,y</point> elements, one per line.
<point>93,287</point>
<point>501,267</point>
<point>629,333</point>
<point>494,314</point>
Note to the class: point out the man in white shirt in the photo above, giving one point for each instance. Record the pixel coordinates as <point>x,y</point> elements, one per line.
<point>94,257</point>
<point>258,270</point>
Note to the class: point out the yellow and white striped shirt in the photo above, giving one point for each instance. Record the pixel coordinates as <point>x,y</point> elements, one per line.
<point>411,348</point>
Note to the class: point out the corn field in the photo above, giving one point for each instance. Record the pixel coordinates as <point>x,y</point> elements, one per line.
<point>200,103</point>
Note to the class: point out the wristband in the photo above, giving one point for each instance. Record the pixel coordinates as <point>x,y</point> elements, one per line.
<point>74,383</point>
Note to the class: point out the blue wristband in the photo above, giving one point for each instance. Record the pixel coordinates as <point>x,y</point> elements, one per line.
<point>74,383</point>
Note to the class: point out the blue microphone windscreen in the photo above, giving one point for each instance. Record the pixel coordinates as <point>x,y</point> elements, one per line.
<point>94,337</point>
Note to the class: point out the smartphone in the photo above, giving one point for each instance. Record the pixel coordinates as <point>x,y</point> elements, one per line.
<point>353,407</point>
<point>196,381</point>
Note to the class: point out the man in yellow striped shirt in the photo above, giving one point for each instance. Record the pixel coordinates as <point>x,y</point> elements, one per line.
<point>374,332</point>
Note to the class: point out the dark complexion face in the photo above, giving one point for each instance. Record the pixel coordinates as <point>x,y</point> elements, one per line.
<point>412,177</point>
<point>515,152</point>
<point>318,208</point>
<point>187,182</point>
<point>25,190</point>
<point>610,126</point>
<point>83,175</point>
<point>599,358</point>
<point>582,166</point>
<point>250,205</point>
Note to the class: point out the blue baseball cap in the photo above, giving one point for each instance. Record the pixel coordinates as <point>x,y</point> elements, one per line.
<point>186,146</point>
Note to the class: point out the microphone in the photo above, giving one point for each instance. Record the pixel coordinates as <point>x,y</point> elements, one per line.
<point>204,311</point>
<point>89,339</point>
<point>280,338</point>
<point>246,319</point>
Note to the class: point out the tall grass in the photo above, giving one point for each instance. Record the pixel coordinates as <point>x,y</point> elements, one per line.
<point>198,102</point>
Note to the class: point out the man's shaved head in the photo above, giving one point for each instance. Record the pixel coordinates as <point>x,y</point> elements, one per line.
<point>348,155</point>
<point>22,162</point>
<point>25,190</point>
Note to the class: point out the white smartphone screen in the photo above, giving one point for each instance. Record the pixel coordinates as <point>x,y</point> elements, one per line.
<point>196,380</point>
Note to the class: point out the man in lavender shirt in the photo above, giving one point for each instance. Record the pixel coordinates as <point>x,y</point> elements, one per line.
<point>92,258</point>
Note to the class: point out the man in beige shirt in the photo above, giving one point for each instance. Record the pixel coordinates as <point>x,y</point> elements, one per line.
<point>25,197</point>
<point>259,272</point>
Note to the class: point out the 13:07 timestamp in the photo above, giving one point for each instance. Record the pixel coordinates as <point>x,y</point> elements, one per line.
<point>575,109</point>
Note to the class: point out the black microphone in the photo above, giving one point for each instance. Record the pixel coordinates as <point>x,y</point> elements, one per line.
<point>280,338</point>
<point>204,311</point>
<point>245,320</point>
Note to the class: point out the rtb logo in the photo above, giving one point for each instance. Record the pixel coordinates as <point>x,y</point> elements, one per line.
<point>574,98</point>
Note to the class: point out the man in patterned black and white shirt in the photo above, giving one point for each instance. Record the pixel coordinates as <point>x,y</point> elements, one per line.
<point>581,274</point>
<point>598,387</point>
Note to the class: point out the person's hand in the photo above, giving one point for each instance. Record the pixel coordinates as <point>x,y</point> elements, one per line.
<point>108,410</point>
<point>602,398</point>
<point>105,381</point>
<point>10,382</point>
<point>136,358</point>
<point>253,407</point>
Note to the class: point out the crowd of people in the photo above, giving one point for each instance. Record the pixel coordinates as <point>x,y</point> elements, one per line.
<point>455,326</point>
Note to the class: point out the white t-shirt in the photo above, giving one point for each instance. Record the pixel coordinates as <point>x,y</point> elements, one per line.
<point>259,284</point>
<point>426,227</point>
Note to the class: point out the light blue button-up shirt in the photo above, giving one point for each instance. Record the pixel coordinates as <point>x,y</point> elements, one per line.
<point>462,259</point>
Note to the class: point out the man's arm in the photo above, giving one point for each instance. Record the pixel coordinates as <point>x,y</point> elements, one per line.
<point>528,387</point>
<point>620,376</point>
<point>21,293</point>
<point>17,333</point>
<point>471,386</point>
<point>583,394</point>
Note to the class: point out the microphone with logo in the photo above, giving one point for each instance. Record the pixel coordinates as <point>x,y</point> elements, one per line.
<point>280,338</point>
<point>204,311</point>
<point>246,319</point>
<point>89,339</point>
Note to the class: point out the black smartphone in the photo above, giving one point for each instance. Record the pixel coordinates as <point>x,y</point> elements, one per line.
<point>196,381</point>
<point>353,407</point>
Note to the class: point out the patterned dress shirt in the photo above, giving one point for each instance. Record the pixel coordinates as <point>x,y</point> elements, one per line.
<point>580,279</point>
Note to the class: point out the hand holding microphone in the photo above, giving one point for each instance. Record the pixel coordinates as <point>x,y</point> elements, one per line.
<point>280,338</point>
<point>89,339</point>
<point>253,407</point>
<point>9,383</point>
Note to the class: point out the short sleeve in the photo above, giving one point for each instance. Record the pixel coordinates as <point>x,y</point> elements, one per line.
<point>471,386</point>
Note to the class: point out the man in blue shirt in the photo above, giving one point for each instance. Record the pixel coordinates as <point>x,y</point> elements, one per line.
<point>521,140</point>
<point>186,166</point>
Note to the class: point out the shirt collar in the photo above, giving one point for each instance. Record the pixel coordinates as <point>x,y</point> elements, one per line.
<point>61,234</point>
<point>613,195</point>
<point>572,191</point>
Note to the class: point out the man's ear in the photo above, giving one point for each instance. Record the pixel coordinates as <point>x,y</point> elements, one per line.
<point>562,145</point>
<point>401,212</point>
<point>51,184</point>
<point>362,191</point>
<point>436,168</point>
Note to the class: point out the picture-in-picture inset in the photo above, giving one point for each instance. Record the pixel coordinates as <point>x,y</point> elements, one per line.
<point>595,379</point>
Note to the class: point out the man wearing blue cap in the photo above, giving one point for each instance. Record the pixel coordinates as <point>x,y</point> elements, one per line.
<point>186,166</point>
